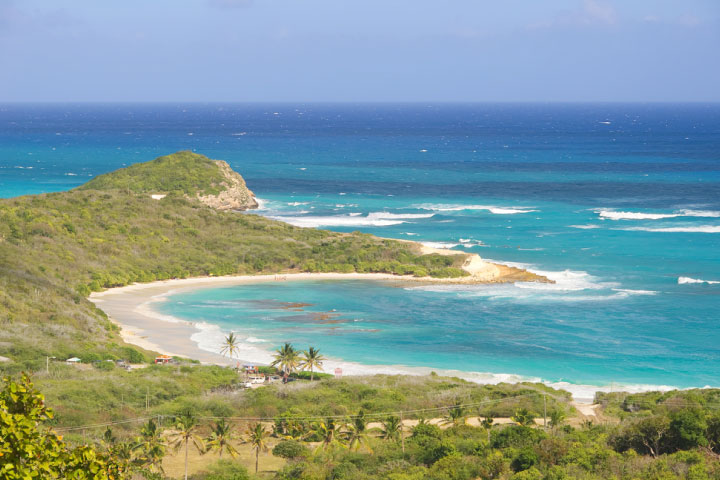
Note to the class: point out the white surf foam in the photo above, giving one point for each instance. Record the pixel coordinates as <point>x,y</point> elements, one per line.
<point>628,291</point>
<point>613,215</point>
<point>374,219</point>
<point>262,204</point>
<point>566,281</point>
<point>697,229</point>
<point>619,215</point>
<point>445,245</point>
<point>408,216</point>
<point>688,280</point>
<point>497,210</point>
<point>336,221</point>
<point>569,286</point>
<point>147,310</point>
<point>585,227</point>
<point>255,340</point>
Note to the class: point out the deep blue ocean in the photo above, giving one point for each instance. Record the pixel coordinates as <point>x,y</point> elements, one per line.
<point>620,204</point>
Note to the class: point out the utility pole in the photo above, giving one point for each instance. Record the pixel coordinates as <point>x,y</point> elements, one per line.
<point>402,433</point>
<point>545,411</point>
<point>147,399</point>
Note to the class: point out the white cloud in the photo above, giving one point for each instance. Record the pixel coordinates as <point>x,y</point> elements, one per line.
<point>600,12</point>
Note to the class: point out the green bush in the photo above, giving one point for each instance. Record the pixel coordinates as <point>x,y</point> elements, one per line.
<point>105,365</point>
<point>290,450</point>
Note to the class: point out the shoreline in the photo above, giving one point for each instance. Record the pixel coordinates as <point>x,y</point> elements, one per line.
<point>130,308</point>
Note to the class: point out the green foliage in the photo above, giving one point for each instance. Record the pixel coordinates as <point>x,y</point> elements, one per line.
<point>290,450</point>
<point>524,459</point>
<point>29,450</point>
<point>460,452</point>
<point>182,172</point>
<point>687,429</point>
<point>517,436</point>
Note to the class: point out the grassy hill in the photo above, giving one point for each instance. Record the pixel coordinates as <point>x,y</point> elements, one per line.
<point>182,172</point>
<point>56,248</point>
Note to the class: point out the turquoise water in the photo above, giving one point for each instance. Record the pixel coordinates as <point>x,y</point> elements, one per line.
<point>620,204</point>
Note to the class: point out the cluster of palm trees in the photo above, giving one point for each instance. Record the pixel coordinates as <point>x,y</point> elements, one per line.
<point>146,452</point>
<point>353,433</point>
<point>218,440</point>
<point>286,358</point>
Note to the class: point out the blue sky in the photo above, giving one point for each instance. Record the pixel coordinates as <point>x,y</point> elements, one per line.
<point>360,50</point>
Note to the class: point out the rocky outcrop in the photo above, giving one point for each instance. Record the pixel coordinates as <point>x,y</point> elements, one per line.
<point>236,195</point>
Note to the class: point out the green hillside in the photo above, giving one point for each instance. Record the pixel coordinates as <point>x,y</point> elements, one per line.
<point>181,172</point>
<point>57,248</point>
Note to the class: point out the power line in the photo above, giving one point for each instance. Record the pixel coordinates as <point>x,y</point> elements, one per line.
<point>107,424</point>
<point>306,418</point>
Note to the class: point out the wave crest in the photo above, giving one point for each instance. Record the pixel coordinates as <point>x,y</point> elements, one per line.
<point>688,280</point>
<point>374,219</point>
<point>490,208</point>
<point>620,215</point>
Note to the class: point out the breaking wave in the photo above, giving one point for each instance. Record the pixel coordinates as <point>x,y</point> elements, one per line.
<point>619,215</point>
<point>688,280</point>
<point>375,219</point>
<point>490,208</point>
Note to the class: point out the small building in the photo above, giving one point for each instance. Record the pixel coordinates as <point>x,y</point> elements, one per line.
<point>73,361</point>
<point>163,359</point>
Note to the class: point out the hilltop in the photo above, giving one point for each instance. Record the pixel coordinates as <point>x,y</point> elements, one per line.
<point>212,182</point>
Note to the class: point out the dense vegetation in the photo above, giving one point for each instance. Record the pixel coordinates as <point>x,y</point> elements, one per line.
<point>57,248</point>
<point>330,429</point>
<point>182,172</point>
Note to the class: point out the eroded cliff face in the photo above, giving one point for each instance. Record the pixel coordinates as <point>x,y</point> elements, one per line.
<point>236,195</point>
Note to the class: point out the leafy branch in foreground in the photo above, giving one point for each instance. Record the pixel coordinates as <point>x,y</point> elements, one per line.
<point>29,450</point>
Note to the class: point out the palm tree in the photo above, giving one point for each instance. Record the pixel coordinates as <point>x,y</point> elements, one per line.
<point>312,360</point>
<point>456,416</point>
<point>186,426</point>
<point>327,431</point>
<point>219,439</point>
<point>487,424</point>
<point>287,359</point>
<point>357,434</point>
<point>557,418</point>
<point>523,417</point>
<point>151,447</point>
<point>230,346</point>
<point>289,429</point>
<point>391,428</point>
<point>256,437</point>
